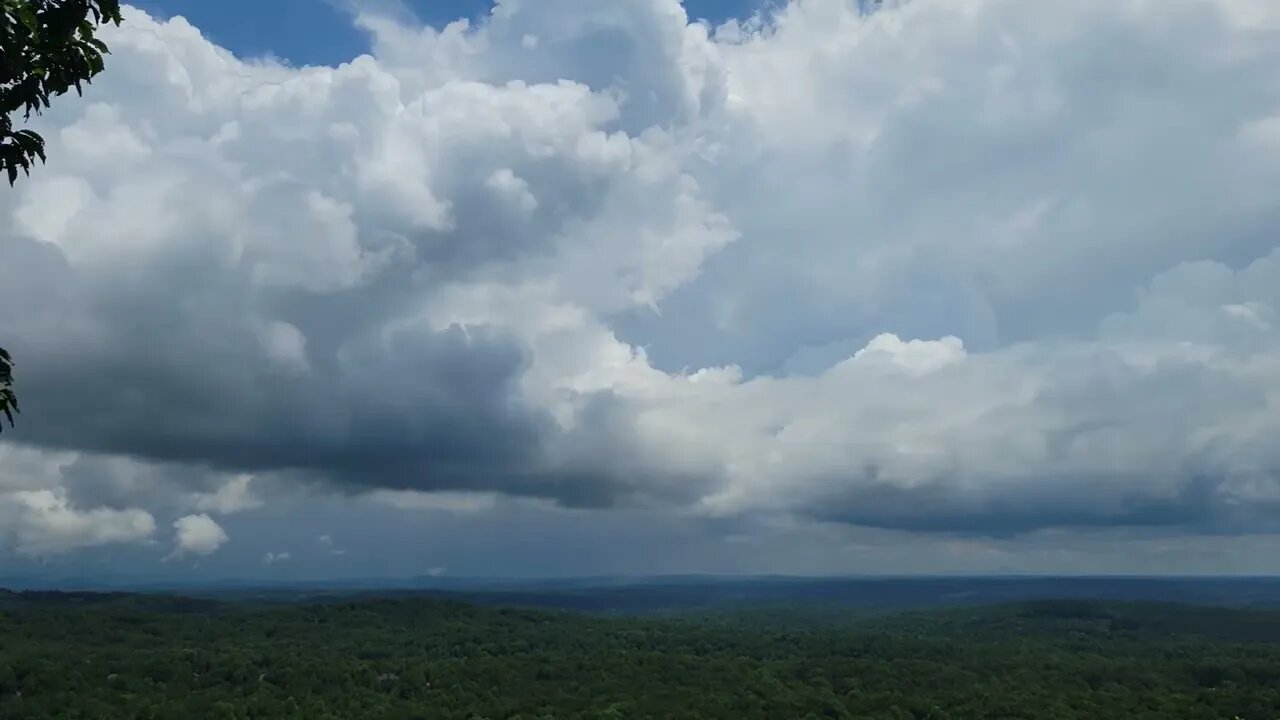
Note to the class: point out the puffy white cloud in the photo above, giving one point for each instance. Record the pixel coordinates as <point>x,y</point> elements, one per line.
<point>41,516</point>
<point>985,266</point>
<point>273,558</point>
<point>326,541</point>
<point>42,523</point>
<point>197,535</point>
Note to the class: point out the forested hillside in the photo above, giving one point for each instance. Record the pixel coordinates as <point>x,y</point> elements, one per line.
<point>136,656</point>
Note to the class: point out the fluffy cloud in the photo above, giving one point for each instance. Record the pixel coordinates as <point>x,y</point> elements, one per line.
<point>273,558</point>
<point>985,266</point>
<point>42,523</point>
<point>197,535</point>
<point>233,496</point>
<point>40,517</point>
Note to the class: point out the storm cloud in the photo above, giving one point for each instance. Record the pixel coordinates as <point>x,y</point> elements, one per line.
<point>984,267</point>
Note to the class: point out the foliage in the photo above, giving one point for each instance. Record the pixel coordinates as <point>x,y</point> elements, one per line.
<point>47,47</point>
<point>8,400</point>
<point>92,656</point>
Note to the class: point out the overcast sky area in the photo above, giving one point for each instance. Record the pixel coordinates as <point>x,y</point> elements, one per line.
<point>317,289</point>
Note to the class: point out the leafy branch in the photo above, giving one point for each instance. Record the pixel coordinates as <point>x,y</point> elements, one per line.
<point>47,47</point>
<point>8,400</point>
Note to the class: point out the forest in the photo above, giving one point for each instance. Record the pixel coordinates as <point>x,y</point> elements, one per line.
<point>118,655</point>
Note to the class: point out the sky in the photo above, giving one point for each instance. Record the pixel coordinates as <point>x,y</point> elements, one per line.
<point>318,290</point>
<point>320,32</point>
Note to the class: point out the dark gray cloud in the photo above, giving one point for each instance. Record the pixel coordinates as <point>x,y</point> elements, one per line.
<point>1008,511</point>
<point>413,408</point>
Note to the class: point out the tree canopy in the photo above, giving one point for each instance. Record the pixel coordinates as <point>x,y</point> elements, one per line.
<point>156,657</point>
<point>8,400</point>
<point>47,47</point>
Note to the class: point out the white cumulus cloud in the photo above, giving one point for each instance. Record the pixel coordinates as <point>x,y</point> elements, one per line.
<point>40,515</point>
<point>197,535</point>
<point>42,523</point>
<point>986,266</point>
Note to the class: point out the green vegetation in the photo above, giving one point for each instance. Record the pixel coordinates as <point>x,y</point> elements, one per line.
<point>47,47</point>
<point>123,656</point>
<point>8,400</point>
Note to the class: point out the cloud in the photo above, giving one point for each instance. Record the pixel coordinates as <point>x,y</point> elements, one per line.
<point>197,535</point>
<point>986,267</point>
<point>84,499</point>
<point>234,496</point>
<point>42,523</point>
<point>41,515</point>
<point>326,542</point>
<point>271,558</point>
<point>464,503</point>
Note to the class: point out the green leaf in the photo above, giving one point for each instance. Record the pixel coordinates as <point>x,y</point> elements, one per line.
<point>47,48</point>
<point>27,15</point>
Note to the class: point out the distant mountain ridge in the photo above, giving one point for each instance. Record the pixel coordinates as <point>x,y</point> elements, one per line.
<point>639,595</point>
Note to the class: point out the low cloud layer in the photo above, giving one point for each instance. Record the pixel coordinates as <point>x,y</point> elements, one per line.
<point>987,267</point>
